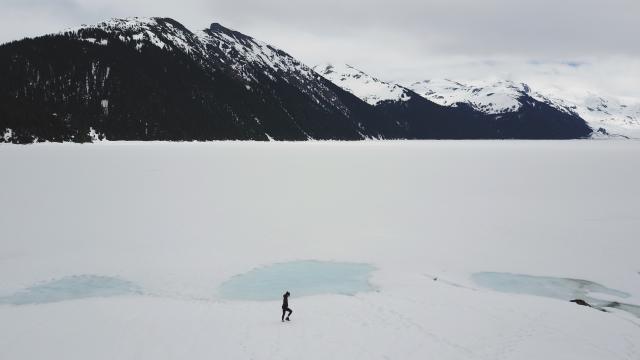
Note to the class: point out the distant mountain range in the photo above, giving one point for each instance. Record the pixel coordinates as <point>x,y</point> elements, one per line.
<point>601,113</point>
<point>606,116</point>
<point>153,79</point>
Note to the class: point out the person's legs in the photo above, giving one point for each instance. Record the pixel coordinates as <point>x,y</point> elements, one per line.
<point>283,312</point>
<point>290,311</point>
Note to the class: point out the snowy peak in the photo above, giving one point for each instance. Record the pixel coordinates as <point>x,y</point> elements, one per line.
<point>601,109</point>
<point>363,85</point>
<point>608,115</point>
<point>493,98</point>
<point>490,98</point>
<point>249,56</point>
<point>254,62</point>
<point>500,97</point>
<point>217,44</point>
<point>164,33</point>
<point>218,48</point>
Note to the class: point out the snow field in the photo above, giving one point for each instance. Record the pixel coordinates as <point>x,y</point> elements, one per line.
<point>178,220</point>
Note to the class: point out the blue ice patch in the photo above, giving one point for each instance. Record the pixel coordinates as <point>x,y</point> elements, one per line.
<point>547,286</point>
<point>301,278</point>
<point>557,288</point>
<point>70,288</point>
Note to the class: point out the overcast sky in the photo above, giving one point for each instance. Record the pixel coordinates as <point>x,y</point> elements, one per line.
<point>577,44</point>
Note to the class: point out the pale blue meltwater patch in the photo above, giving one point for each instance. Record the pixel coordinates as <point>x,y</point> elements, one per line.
<point>301,278</point>
<point>598,296</point>
<point>70,288</point>
<point>559,288</point>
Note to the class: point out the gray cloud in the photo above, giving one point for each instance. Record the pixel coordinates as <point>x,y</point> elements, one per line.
<point>401,39</point>
<point>559,28</point>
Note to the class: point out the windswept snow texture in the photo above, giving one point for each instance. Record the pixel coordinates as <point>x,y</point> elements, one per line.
<point>72,288</point>
<point>301,278</point>
<point>362,85</point>
<point>557,288</point>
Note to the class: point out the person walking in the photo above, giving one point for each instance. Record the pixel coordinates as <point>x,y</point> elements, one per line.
<point>285,306</point>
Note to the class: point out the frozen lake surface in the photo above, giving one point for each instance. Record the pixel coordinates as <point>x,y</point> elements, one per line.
<point>188,225</point>
<point>72,288</point>
<point>301,278</point>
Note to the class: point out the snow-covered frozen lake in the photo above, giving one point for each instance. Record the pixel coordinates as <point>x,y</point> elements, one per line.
<point>392,250</point>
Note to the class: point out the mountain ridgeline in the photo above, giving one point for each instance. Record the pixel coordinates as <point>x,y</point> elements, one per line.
<point>153,79</point>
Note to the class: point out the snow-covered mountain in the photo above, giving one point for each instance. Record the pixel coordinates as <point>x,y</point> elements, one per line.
<point>363,85</point>
<point>217,44</point>
<point>248,59</point>
<point>159,32</point>
<point>610,110</point>
<point>490,98</point>
<point>448,109</point>
<point>154,79</point>
<point>605,115</point>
